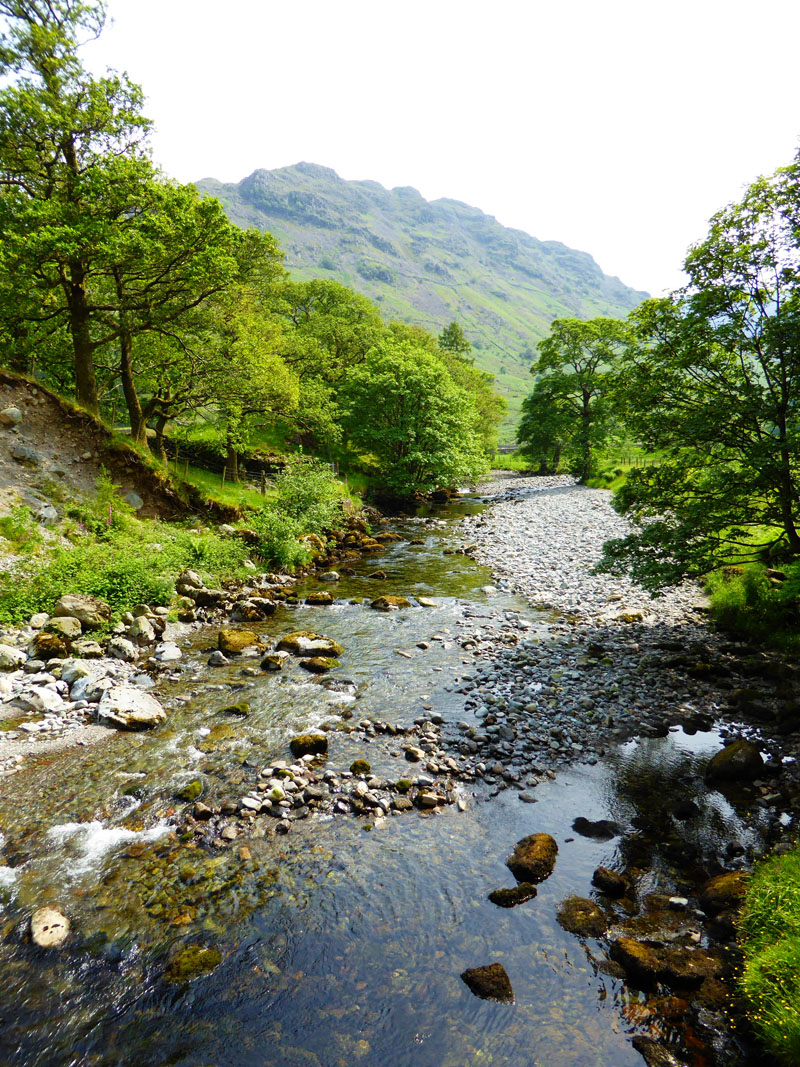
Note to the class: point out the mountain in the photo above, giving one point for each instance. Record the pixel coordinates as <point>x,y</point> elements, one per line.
<point>428,262</point>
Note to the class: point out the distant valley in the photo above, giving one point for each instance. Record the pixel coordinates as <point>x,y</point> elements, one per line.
<point>428,262</point>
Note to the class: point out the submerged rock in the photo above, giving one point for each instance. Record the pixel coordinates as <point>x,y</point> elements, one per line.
<point>489,983</point>
<point>656,1054</point>
<point>192,962</point>
<point>598,829</point>
<point>274,661</point>
<point>639,962</point>
<point>533,858</point>
<point>49,928</point>
<point>318,664</point>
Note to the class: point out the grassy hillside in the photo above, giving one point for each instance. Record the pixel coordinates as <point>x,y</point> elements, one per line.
<point>428,263</point>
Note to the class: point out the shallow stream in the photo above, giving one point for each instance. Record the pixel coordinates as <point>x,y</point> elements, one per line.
<point>343,942</point>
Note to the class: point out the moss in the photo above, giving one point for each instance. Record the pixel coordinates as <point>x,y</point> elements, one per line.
<point>309,744</point>
<point>240,711</point>
<point>360,766</point>
<point>192,962</point>
<point>191,791</point>
<point>402,785</point>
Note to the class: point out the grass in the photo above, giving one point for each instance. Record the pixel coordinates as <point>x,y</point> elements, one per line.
<point>232,494</point>
<point>510,461</point>
<point>770,928</point>
<point>748,601</point>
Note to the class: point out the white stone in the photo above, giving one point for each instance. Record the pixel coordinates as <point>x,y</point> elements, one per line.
<point>129,708</point>
<point>49,928</point>
<point>11,658</point>
<point>167,651</point>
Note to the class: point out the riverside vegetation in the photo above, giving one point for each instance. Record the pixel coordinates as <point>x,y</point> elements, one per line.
<point>119,286</point>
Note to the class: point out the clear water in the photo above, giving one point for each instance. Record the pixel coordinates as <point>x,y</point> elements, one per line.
<point>339,946</point>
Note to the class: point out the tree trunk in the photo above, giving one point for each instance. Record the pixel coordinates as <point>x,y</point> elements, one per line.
<point>135,413</point>
<point>79,315</point>
<point>158,441</point>
<point>231,462</point>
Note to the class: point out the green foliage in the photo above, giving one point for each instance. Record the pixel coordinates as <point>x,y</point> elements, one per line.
<point>307,499</point>
<point>711,383</point>
<point>448,262</point>
<point>571,410</point>
<point>20,530</point>
<point>131,561</point>
<point>403,408</point>
<point>770,982</point>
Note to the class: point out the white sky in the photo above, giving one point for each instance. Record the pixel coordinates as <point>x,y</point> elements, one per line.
<point>615,126</point>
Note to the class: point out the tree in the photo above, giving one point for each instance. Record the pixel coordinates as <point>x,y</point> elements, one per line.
<point>73,167</point>
<point>402,407</point>
<point>545,426</point>
<point>713,384</point>
<point>453,339</point>
<point>575,366</point>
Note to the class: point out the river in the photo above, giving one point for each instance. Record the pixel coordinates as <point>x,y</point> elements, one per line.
<point>341,942</point>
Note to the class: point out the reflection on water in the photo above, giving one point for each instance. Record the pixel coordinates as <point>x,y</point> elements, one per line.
<point>339,946</point>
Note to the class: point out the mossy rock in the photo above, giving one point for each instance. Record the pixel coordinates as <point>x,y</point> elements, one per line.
<point>360,766</point>
<point>320,599</point>
<point>489,983</point>
<point>235,641</point>
<point>309,745</point>
<point>191,791</point>
<point>318,664</point>
<point>390,603</point>
<point>582,917</point>
<point>223,732</point>
<point>533,858</point>
<point>639,962</point>
<point>402,785</point>
<point>307,643</point>
<point>509,898</point>
<point>192,962</point>
<point>50,646</point>
<point>238,711</point>
<point>724,891</point>
<point>740,761</point>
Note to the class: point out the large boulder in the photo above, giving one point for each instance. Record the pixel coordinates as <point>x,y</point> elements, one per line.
<point>739,761</point>
<point>129,708</point>
<point>65,626</point>
<point>49,646</point>
<point>533,858</point>
<point>306,643</point>
<point>91,612</point>
<point>309,745</point>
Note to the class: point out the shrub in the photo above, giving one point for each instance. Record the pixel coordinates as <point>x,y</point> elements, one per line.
<point>20,529</point>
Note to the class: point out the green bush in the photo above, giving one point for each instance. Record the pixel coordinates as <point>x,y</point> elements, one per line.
<point>20,529</point>
<point>307,499</point>
<point>744,600</point>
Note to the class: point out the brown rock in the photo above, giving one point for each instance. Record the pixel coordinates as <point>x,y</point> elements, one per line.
<point>582,917</point>
<point>309,744</point>
<point>49,646</point>
<point>89,610</point>
<point>320,599</point>
<point>725,891</point>
<point>306,643</point>
<point>390,603</point>
<point>509,898</point>
<point>639,962</point>
<point>610,882</point>
<point>489,983</point>
<point>656,1054</point>
<point>533,858</point>
<point>688,968</point>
